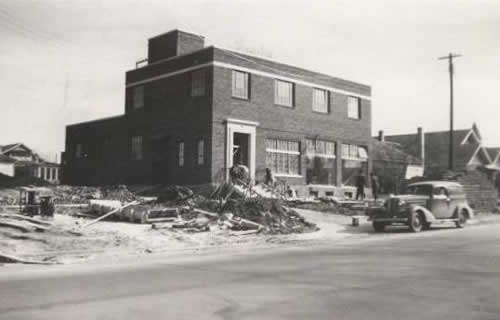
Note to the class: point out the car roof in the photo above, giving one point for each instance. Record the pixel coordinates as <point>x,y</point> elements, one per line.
<point>436,183</point>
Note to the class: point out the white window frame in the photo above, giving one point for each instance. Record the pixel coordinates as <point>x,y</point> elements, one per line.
<point>314,153</point>
<point>321,108</point>
<point>360,151</point>
<point>353,102</point>
<point>137,97</point>
<point>288,152</point>
<point>240,87</point>
<point>198,83</point>
<point>283,93</point>
<point>201,152</point>
<point>136,150</point>
<point>180,149</point>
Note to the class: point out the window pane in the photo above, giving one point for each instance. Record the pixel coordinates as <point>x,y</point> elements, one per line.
<point>353,107</point>
<point>138,93</point>
<point>181,154</point>
<point>320,100</point>
<point>136,152</point>
<point>201,152</point>
<point>330,148</point>
<point>283,93</point>
<point>320,147</point>
<point>240,84</point>
<point>198,83</point>
<point>345,150</point>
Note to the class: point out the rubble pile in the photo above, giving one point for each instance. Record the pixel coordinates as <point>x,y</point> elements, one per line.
<point>77,194</point>
<point>271,214</point>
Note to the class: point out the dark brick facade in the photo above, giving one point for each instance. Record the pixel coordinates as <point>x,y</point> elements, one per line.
<point>171,115</point>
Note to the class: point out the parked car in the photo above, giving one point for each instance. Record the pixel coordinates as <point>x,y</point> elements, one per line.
<point>424,204</point>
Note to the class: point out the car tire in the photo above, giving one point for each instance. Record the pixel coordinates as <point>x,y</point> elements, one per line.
<point>416,222</point>
<point>426,226</point>
<point>378,226</point>
<point>462,220</point>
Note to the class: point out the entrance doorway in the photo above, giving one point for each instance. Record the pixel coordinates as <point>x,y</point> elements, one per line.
<point>240,144</point>
<point>241,148</point>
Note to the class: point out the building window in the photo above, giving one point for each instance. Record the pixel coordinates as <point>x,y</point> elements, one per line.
<point>138,97</point>
<point>198,82</point>
<point>201,152</point>
<point>181,154</point>
<point>321,163</point>
<point>353,107</point>
<point>136,150</point>
<point>283,93</point>
<point>283,157</point>
<point>78,151</point>
<point>354,160</point>
<point>320,100</point>
<point>240,84</point>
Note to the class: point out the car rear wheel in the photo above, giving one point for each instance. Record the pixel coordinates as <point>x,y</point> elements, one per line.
<point>378,226</point>
<point>416,222</point>
<point>462,220</point>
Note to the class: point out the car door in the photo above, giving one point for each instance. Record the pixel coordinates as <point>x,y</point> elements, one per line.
<point>441,203</point>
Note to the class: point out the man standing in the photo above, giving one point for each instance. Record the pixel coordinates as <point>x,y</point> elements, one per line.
<point>375,185</point>
<point>360,186</point>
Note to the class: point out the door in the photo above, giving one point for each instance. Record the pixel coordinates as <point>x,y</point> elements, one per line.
<point>441,204</point>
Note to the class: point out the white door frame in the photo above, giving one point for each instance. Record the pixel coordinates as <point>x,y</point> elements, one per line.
<point>240,126</point>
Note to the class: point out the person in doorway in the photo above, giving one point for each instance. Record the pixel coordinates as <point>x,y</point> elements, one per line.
<point>360,186</point>
<point>375,185</point>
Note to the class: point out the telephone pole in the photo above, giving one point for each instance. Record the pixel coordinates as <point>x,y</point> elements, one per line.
<point>450,57</point>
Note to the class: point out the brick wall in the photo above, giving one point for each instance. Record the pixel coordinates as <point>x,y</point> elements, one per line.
<point>297,123</point>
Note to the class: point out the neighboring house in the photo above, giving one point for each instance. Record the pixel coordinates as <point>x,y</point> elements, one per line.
<point>194,111</point>
<point>495,165</point>
<point>393,166</point>
<point>26,162</point>
<point>7,165</point>
<point>433,148</point>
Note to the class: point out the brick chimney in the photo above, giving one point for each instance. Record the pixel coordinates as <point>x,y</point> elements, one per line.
<point>421,144</point>
<point>381,136</point>
<point>173,43</point>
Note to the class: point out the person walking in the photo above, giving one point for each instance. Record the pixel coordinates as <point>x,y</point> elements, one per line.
<point>360,186</point>
<point>375,185</point>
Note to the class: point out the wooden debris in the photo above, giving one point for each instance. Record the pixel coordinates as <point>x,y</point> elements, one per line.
<point>15,225</point>
<point>24,218</point>
<point>13,259</point>
<point>109,214</point>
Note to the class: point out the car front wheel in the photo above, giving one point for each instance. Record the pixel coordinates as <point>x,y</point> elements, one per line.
<point>416,222</point>
<point>462,220</point>
<point>378,226</point>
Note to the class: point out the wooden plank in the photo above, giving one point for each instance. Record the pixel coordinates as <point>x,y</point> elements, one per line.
<point>109,214</point>
<point>13,259</point>
<point>24,218</point>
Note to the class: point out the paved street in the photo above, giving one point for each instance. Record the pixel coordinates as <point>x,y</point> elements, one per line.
<point>441,274</point>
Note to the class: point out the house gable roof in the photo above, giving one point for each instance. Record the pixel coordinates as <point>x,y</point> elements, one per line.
<point>10,147</point>
<point>466,147</point>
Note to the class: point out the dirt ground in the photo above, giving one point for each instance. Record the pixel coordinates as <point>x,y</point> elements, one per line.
<point>108,240</point>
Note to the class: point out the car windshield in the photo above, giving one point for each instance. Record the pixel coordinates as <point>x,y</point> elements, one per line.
<point>422,189</point>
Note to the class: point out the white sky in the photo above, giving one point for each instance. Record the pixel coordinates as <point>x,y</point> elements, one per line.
<point>391,45</point>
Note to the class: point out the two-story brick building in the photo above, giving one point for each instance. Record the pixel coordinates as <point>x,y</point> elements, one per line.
<point>193,111</point>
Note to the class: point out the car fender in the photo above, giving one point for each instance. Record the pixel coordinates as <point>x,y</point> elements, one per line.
<point>466,207</point>
<point>429,217</point>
